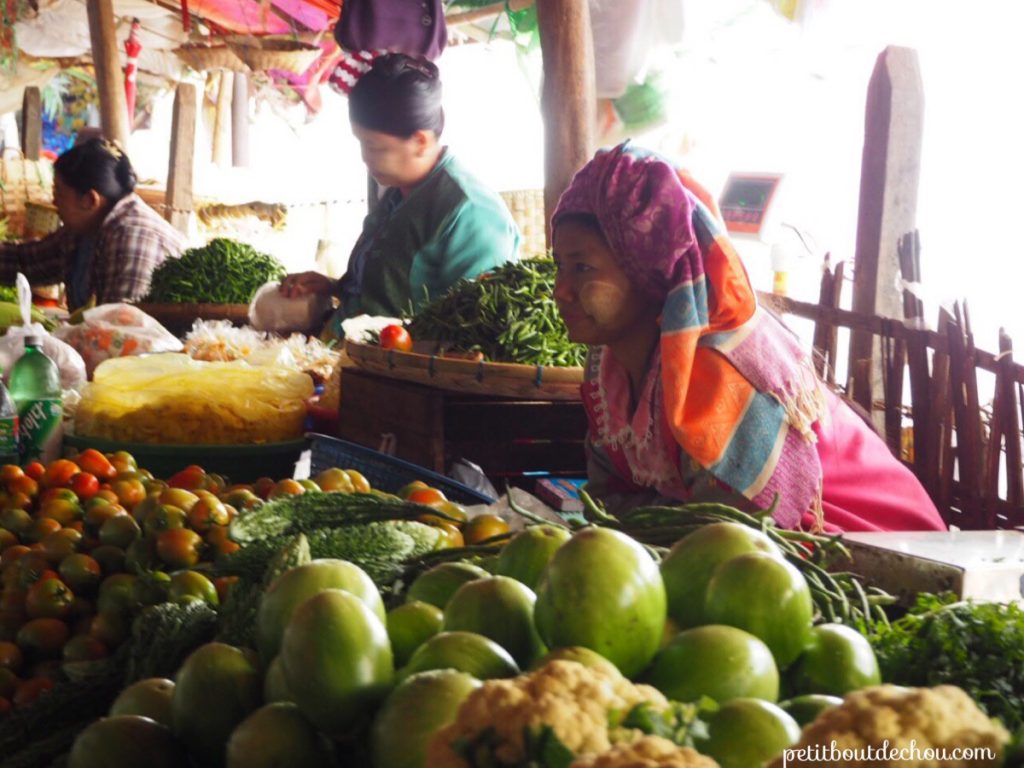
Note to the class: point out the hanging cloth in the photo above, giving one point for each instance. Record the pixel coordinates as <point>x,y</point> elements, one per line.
<point>412,27</point>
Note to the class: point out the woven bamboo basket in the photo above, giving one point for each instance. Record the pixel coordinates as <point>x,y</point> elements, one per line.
<point>469,376</point>
<point>41,219</point>
<point>22,182</point>
<point>527,209</point>
<point>203,57</point>
<point>263,53</point>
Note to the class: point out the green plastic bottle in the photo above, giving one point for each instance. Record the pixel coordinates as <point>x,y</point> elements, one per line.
<point>36,391</point>
<point>8,427</point>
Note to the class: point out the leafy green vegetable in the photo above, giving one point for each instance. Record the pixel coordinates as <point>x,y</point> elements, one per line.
<point>679,723</point>
<point>509,315</point>
<point>222,272</point>
<point>976,646</point>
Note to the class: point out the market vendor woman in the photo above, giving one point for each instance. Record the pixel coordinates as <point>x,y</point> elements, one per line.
<point>111,240</point>
<point>692,391</point>
<point>434,225</point>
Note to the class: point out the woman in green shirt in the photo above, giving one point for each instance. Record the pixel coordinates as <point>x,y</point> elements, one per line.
<point>435,223</point>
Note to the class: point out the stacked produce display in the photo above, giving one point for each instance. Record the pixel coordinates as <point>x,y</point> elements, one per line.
<point>221,272</point>
<point>508,315</point>
<point>187,621</point>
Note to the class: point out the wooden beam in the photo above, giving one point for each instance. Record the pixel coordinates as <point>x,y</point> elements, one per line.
<point>240,121</point>
<point>31,123</point>
<point>568,96</point>
<point>183,145</point>
<point>109,77</point>
<point>222,119</point>
<point>890,167</point>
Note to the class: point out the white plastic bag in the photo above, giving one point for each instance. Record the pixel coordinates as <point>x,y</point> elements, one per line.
<point>12,344</point>
<point>270,310</point>
<point>116,330</point>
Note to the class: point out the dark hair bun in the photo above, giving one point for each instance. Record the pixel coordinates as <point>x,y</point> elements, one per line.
<point>100,165</point>
<point>399,95</point>
<point>397,64</point>
<point>126,174</point>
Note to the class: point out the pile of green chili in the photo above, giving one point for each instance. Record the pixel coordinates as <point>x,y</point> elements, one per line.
<point>221,272</point>
<point>508,315</point>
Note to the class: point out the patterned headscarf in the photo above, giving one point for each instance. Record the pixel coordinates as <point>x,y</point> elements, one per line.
<point>739,394</point>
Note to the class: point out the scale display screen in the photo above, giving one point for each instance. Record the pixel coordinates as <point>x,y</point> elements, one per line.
<point>744,201</point>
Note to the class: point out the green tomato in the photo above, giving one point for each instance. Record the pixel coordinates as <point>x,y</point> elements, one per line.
<point>414,711</point>
<point>690,564</point>
<point>722,663</point>
<point>805,709</point>
<point>745,733</point>
<point>602,590</point>
<point>437,585</point>
<point>410,625</point>
<point>186,586</point>
<point>337,661</point>
<point>767,597</point>
<point>499,608</point>
<point>528,553</point>
<point>467,652</point>
<point>838,660</point>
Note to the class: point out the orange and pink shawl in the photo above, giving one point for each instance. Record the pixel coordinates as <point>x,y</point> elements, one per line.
<point>738,393</point>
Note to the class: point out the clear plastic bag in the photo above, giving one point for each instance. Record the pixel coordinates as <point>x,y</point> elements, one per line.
<point>270,310</point>
<point>173,399</point>
<point>12,344</point>
<point>116,330</point>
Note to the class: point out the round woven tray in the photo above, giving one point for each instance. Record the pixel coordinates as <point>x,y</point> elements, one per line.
<point>263,53</point>
<point>203,58</point>
<point>178,318</point>
<point>460,375</point>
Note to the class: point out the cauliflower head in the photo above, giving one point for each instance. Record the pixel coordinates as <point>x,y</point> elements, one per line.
<point>648,752</point>
<point>926,727</point>
<point>574,701</point>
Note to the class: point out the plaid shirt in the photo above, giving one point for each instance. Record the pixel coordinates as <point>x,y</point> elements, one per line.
<point>133,241</point>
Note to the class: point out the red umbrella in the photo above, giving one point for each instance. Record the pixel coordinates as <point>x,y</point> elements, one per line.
<point>133,48</point>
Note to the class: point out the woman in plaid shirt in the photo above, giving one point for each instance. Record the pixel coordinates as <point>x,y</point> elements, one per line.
<point>111,240</point>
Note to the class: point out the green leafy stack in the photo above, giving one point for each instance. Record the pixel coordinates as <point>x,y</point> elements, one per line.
<point>509,315</point>
<point>976,646</point>
<point>222,272</point>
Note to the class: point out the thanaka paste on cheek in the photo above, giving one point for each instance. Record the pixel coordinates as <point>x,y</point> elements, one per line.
<point>602,301</point>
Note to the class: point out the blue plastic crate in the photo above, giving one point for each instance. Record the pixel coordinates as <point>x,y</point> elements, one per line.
<point>384,472</point>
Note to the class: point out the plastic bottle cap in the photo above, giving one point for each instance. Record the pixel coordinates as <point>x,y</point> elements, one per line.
<point>32,341</point>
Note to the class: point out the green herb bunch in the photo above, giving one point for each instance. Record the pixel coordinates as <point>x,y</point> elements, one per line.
<point>976,646</point>
<point>221,272</point>
<point>508,315</point>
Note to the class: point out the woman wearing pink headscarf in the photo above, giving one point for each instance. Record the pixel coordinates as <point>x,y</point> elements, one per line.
<point>692,391</point>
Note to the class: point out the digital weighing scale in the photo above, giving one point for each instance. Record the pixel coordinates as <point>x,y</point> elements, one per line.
<point>749,208</point>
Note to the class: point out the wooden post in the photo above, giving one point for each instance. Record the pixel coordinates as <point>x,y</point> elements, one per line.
<point>179,172</point>
<point>109,78</point>
<point>568,97</point>
<point>222,119</point>
<point>240,121</point>
<point>890,167</point>
<point>31,123</point>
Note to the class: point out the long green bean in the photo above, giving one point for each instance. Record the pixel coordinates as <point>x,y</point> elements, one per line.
<point>221,272</point>
<point>508,315</point>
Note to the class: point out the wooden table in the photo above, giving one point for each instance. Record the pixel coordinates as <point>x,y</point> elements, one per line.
<point>431,427</point>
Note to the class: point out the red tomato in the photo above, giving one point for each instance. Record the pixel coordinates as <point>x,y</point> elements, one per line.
<point>85,485</point>
<point>396,337</point>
